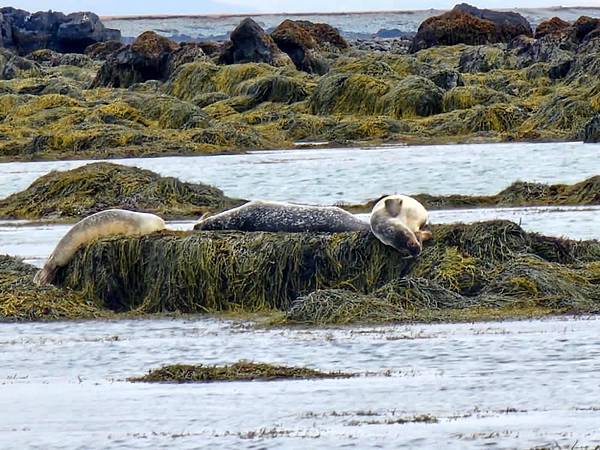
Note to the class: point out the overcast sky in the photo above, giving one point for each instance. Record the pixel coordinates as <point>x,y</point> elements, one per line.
<point>121,7</point>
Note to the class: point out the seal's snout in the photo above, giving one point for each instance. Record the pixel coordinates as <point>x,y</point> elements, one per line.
<point>414,248</point>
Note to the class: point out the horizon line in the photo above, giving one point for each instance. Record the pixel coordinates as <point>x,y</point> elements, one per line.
<point>313,13</point>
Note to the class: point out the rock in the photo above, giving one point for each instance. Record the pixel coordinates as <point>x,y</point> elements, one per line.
<point>50,58</point>
<point>481,59</point>
<point>25,32</point>
<point>591,132</point>
<point>583,26</point>
<point>552,26</point>
<point>150,57</point>
<point>295,39</point>
<point>447,79</point>
<point>102,50</point>
<point>250,43</point>
<point>13,66</point>
<point>466,24</point>
<point>560,70</point>
<point>551,48</point>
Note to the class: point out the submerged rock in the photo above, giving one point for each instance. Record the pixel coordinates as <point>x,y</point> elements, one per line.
<point>249,43</point>
<point>465,24</point>
<point>77,193</point>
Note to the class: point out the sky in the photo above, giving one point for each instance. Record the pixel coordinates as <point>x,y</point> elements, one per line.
<point>134,7</point>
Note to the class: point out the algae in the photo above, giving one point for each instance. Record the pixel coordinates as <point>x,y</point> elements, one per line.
<point>77,193</point>
<point>239,371</point>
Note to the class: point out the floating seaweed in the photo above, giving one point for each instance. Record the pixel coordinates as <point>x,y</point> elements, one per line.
<point>239,371</point>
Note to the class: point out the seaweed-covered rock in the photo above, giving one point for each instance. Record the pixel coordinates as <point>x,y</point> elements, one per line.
<point>50,58</point>
<point>150,57</point>
<point>100,51</point>
<point>591,132</point>
<point>481,59</point>
<point>447,79</point>
<point>14,66</point>
<point>21,299</point>
<point>70,33</point>
<point>249,43</point>
<point>466,24</point>
<point>555,25</point>
<point>463,266</point>
<point>77,193</point>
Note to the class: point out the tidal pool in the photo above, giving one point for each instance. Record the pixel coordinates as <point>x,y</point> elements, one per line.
<point>489,385</point>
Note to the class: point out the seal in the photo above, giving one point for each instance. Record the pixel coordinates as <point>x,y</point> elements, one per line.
<point>400,221</point>
<point>287,217</point>
<point>104,223</point>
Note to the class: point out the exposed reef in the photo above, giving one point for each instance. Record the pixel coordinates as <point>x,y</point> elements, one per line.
<point>239,371</point>
<point>77,193</point>
<point>520,193</point>
<point>324,278</point>
<point>21,299</point>
<point>302,83</point>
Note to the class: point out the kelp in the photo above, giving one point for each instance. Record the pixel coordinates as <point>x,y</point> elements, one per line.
<point>21,299</point>
<point>77,193</point>
<point>338,278</point>
<point>239,371</point>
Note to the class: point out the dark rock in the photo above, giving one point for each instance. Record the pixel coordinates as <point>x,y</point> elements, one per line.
<point>551,48</point>
<point>552,26</point>
<point>560,70</point>
<point>210,48</point>
<point>591,132</point>
<point>71,33</point>
<point>150,57</point>
<point>447,79</point>
<point>481,59</point>
<point>250,43</point>
<point>583,26</point>
<point>466,24</point>
<point>295,39</point>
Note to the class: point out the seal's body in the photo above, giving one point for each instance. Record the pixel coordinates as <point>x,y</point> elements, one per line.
<point>286,217</point>
<point>105,223</point>
<point>401,222</point>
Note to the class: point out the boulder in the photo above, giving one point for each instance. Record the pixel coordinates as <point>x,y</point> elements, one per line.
<point>150,57</point>
<point>296,40</point>
<point>13,66</point>
<point>249,43</point>
<point>466,24</point>
<point>551,26</point>
<point>25,32</point>
<point>447,79</point>
<point>591,133</point>
<point>100,51</point>
<point>584,26</point>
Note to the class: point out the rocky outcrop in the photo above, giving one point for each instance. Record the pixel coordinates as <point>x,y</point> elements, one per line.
<point>466,24</point>
<point>25,32</point>
<point>150,57</point>
<point>302,41</point>
<point>591,133</point>
<point>552,26</point>
<point>249,43</point>
<point>102,50</point>
<point>13,66</point>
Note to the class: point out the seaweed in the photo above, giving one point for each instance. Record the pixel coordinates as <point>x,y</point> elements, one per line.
<point>76,193</point>
<point>240,371</point>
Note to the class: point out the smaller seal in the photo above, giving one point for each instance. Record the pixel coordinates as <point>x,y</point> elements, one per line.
<point>261,215</point>
<point>105,223</point>
<point>400,221</point>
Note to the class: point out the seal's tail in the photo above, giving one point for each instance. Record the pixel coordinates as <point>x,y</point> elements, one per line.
<point>44,276</point>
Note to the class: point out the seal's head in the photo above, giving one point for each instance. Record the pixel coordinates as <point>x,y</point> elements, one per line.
<point>389,227</point>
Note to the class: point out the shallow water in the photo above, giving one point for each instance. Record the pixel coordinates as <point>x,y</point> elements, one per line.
<point>327,176</point>
<point>498,385</point>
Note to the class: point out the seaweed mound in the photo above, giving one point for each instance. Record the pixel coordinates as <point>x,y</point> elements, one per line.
<point>240,371</point>
<point>341,277</point>
<point>465,24</point>
<point>21,299</point>
<point>77,193</point>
